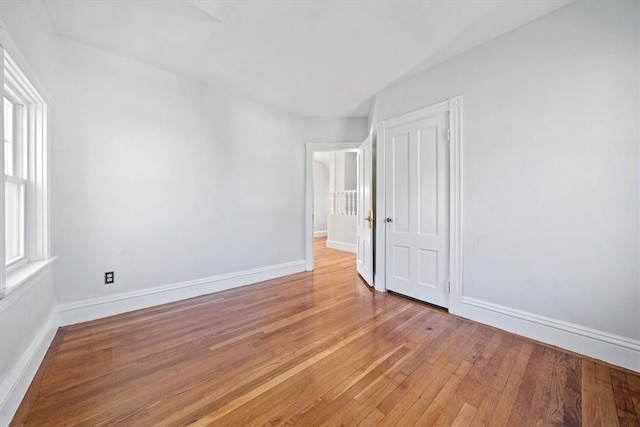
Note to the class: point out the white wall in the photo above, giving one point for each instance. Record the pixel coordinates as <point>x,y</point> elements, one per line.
<point>341,232</point>
<point>27,316</point>
<point>336,170</point>
<point>550,164</point>
<point>165,180</point>
<point>320,196</point>
<point>340,129</point>
<point>343,171</point>
<point>350,171</point>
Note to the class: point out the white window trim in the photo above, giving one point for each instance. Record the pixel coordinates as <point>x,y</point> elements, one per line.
<point>16,73</point>
<point>20,261</point>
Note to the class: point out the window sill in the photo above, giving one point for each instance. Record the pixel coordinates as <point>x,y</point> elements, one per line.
<point>21,275</point>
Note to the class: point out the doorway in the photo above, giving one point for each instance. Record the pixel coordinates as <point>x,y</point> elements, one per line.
<point>340,202</point>
<point>419,234</point>
<point>335,199</point>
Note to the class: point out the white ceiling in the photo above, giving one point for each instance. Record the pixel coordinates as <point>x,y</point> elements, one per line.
<point>314,58</point>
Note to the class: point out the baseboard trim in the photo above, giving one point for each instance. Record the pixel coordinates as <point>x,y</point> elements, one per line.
<point>321,233</point>
<point>15,384</point>
<point>97,308</point>
<point>611,348</point>
<point>341,246</point>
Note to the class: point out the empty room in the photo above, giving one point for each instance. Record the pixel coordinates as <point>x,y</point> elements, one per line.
<point>320,212</point>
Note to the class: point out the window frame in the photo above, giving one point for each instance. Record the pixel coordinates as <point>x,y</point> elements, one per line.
<point>21,87</point>
<point>20,170</point>
<point>8,98</point>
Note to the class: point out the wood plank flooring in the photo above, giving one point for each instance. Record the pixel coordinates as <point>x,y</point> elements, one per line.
<point>315,349</point>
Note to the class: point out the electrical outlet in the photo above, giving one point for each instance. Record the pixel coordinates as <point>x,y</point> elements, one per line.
<point>109,277</point>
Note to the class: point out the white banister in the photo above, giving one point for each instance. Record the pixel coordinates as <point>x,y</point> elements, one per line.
<point>343,203</point>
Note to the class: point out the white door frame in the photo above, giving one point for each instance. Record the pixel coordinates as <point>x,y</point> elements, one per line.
<point>454,107</point>
<point>312,148</point>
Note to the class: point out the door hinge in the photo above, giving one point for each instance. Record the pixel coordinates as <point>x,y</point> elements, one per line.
<point>449,134</point>
<point>449,287</point>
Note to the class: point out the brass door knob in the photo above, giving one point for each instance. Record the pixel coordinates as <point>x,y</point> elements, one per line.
<point>369,219</point>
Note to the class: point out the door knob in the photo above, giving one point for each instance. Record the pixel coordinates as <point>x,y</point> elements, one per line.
<point>388,220</point>
<point>369,219</point>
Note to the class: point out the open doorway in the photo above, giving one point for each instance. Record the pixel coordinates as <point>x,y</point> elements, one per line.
<point>331,200</point>
<point>335,199</point>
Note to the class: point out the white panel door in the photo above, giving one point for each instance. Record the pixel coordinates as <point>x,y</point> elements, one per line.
<point>364,213</point>
<point>417,209</point>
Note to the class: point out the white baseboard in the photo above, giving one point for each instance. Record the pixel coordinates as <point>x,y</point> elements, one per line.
<point>341,246</point>
<point>321,233</point>
<point>15,384</point>
<point>83,311</point>
<point>614,349</point>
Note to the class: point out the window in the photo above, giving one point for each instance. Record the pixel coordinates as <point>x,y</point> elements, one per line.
<point>14,183</point>
<point>24,195</point>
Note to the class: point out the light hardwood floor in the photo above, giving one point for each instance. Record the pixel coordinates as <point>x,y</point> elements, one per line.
<point>313,349</point>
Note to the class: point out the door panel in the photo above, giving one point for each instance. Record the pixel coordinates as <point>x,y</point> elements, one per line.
<point>428,181</point>
<point>417,204</point>
<point>428,267</point>
<point>400,165</point>
<point>364,248</point>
